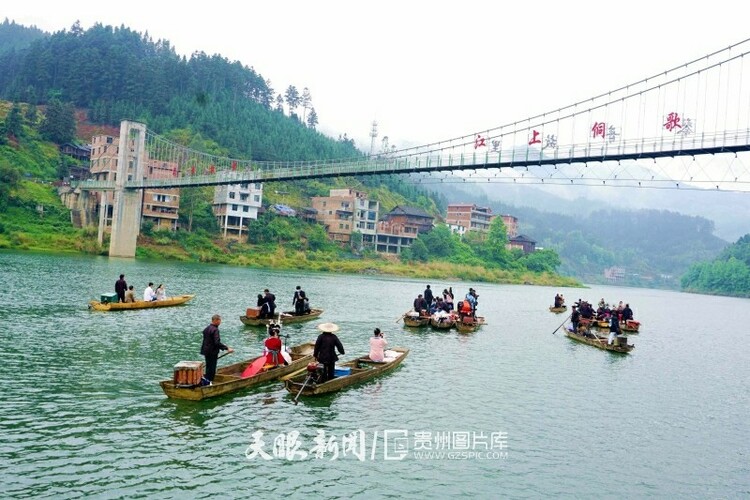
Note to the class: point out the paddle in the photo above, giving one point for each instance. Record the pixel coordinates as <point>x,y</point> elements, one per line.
<point>401,317</point>
<point>561,324</point>
<point>309,377</point>
<point>225,354</point>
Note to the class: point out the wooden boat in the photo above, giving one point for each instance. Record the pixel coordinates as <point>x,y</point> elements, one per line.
<point>593,339</point>
<point>558,310</point>
<point>139,304</point>
<point>442,322</point>
<point>630,325</point>
<point>359,370</point>
<point>287,317</point>
<point>413,318</point>
<point>228,378</point>
<point>469,324</point>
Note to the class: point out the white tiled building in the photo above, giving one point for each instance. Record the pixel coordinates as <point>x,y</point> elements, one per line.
<point>235,205</point>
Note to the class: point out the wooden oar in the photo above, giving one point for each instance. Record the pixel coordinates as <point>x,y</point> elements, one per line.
<point>309,377</point>
<point>561,324</point>
<point>401,317</point>
<point>225,354</point>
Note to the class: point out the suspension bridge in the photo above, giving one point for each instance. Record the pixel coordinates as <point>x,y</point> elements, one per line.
<point>695,110</point>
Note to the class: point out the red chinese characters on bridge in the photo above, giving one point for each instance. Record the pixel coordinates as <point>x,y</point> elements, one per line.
<point>598,130</point>
<point>479,142</point>
<point>673,122</point>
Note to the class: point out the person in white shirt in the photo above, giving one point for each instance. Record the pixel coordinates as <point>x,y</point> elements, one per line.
<point>377,346</point>
<point>161,292</point>
<point>148,293</point>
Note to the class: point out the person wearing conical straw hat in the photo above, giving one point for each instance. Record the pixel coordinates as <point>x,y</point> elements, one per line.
<point>325,349</point>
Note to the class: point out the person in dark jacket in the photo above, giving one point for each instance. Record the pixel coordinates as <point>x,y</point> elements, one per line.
<point>420,304</point>
<point>120,286</point>
<point>211,347</point>
<point>575,317</point>
<point>298,301</point>
<point>428,296</point>
<point>614,328</point>
<point>270,303</point>
<point>325,349</point>
<point>627,313</point>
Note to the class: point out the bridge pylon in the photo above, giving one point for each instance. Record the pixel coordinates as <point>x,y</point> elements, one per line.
<point>126,212</point>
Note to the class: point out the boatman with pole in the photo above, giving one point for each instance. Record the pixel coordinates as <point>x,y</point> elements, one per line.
<point>211,346</point>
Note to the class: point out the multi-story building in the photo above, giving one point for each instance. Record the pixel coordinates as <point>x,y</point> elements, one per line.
<point>159,206</point>
<point>345,211</point>
<point>511,225</point>
<point>400,227</point>
<point>469,216</point>
<point>235,205</point>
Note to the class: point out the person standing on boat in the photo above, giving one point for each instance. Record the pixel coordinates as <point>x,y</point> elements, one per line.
<point>130,294</point>
<point>211,347</point>
<point>558,301</point>
<point>325,349</point>
<point>298,301</point>
<point>120,287</point>
<point>575,317</point>
<point>448,297</point>
<point>377,346</point>
<point>270,302</point>
<point>428,296</point>
<point>614,328</point>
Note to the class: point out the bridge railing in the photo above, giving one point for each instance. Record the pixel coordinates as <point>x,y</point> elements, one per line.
<point>652,147</point>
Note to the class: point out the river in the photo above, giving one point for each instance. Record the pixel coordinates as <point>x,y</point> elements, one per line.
<point>513,410</point>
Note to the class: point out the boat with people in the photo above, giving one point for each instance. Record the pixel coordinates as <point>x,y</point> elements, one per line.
<point>588,337</point>
<point>442,320</point>
<point>286,317</point>
<point>558,310</point>
<point>186,382</point>
<point>304,382</point>
<point>630,326</point>
<point>139,304</point>
<point>414,319</point>
<point>469,324</point>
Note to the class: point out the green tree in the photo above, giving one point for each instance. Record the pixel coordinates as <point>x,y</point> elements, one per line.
<point>59,124</point>
<point>494,246</point>
<point>14,121</point>
<point>292,98</point>
<point>9,179</point>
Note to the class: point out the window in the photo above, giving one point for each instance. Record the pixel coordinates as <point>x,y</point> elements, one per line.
<point>231,195</point>
<point>234,208</point>
<point>245,208</point>
<point>244,197</point>
<point>256,198</point>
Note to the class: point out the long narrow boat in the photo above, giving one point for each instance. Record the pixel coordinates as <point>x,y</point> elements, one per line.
<point>139,304</point>
<point>593,339</point>
<point>558,310</point>
<point>413,318</point>
<point>442,322</point>
<point>229,378</point>
<point>469,324</point>
<point>358,370</point>
<point>286,318</point>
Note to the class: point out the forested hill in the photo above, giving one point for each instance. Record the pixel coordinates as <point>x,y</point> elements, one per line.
<point>654,247</point>
<point>115,73</point>
<point>728,274</point>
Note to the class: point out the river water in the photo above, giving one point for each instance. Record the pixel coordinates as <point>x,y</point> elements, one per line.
<point>512,410</point>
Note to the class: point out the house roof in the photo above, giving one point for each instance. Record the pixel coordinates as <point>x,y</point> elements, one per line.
<point>413,211</point>
<point>522,239</point>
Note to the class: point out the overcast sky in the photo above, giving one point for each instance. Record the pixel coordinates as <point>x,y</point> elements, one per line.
<point>425,71</point>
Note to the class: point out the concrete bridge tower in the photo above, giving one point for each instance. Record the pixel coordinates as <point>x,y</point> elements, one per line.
<point>126,212</point>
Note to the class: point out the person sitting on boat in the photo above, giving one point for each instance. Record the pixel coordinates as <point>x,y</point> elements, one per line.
<point>420,304</point>
<point>325,349</point>
<point>558,301</point>
<point>161,292</point>
<point>464,309</point>
<point>130,295</point>
<point>273,347</point>
<point>148,293</point>
<point>562,300</point>
<point>306,306</point>
<point>614,328</point>
<point>377,346</point>
<point>443,306</point>
<point>261,300</point>
<point>627,313</point>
